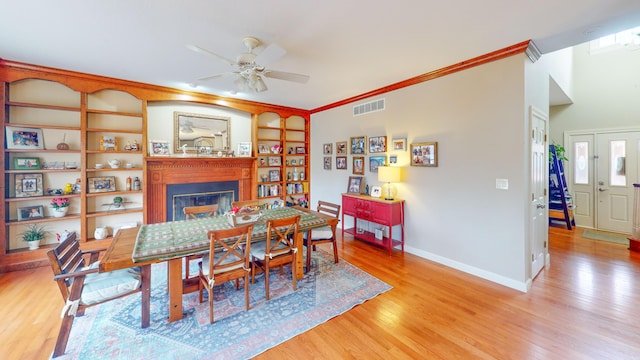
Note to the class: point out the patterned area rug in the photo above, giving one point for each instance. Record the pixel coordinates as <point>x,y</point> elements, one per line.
<point>606,236</point>
<point>112,330</point>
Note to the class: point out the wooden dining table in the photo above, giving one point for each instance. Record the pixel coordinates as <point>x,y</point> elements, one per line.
<point>171,241</point>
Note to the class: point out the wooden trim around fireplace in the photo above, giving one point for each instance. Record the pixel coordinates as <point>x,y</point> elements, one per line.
<point>162,171</point>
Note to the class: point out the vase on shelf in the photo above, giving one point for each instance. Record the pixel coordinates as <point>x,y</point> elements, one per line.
<point>59,212</point>
<point>34,244</point>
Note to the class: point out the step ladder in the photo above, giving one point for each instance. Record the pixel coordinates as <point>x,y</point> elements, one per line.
<point>560,201</point>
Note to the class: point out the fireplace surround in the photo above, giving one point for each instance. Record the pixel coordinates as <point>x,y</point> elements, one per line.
<point>164,171</point>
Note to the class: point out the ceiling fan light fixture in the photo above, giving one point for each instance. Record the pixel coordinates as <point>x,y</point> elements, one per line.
<point>260,85</point>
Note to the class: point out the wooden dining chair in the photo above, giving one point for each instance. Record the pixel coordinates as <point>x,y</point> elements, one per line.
<point>278,249</point>
<point>249,204</point>
<point>82,285</point>
<point>192,213</point>
<point>227,260</point>
<point>325,234</point>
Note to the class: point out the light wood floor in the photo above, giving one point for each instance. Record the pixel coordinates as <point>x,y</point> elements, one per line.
<point>584,306</point>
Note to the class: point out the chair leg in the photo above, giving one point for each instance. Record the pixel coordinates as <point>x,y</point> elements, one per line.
<point>294,274</point>
<point>210,290</point>
<point>266,280</point>
<point>63,336</point>
<point>246,291</point>
<point>308,263</point>
<point>335,250</point>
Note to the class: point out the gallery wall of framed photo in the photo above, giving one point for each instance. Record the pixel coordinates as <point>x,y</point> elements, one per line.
<point>50,154</point>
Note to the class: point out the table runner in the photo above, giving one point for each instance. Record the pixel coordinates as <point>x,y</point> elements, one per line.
<point>168,240</point>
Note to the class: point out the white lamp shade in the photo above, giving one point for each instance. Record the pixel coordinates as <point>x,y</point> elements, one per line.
<point>389,174</point>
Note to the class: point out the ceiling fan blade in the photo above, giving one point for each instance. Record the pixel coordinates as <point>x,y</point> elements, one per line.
<point>272,53</point>
<point>287,76</point>
<point>216,76</point>
<point>207,52</point>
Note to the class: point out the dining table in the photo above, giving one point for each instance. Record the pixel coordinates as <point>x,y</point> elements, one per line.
<point>173,240</point>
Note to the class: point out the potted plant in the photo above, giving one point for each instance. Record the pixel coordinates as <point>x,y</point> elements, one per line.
<point>59,206</point>
<point>33,235</point>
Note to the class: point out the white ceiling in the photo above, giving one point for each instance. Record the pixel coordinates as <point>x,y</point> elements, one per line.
<point>346,47</point>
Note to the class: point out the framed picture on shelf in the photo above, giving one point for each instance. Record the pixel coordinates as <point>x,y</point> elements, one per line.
<point>355,185</point>
<point>358,145</point>
<point>24,138</point>
<point>341,148</point>
<point>158,148</point>
<point>341,162</point>
<point>263,148</point>
<point>274,161</point>
<point>28,185</point>
<point>399,144</point>
<point>358,165</point>
<point>376,191</point>
<point>108,143</point>
<point>28,163</point>
<point>244,149</point>
<point>327,149</point>
<point>274,175</point>
<point>424,154</point>
<point>327,162</point>
<point>300,150</point>
<point>102,184</point>
<point>377,144</point>
<point>375,161</point>
<point>30,212</point>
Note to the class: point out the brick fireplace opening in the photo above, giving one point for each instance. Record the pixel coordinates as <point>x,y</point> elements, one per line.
<point>164,173</point>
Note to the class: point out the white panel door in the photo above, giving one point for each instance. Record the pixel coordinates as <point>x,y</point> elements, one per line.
<point>617,170</point>
<point>539,223</point>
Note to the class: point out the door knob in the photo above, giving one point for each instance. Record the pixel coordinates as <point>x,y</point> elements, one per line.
<point>602,189</point>
<point>540,206</point>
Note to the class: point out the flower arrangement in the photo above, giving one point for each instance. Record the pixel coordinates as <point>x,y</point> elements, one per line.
<point>59,203</point>
<point>34,232</point>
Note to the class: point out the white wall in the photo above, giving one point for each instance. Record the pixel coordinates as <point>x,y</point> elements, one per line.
<point>160,120</point>
<point>454,214</point>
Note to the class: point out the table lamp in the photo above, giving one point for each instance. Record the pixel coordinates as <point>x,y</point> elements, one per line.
<point>389,175</point>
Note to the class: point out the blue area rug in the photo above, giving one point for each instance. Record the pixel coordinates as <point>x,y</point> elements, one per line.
<point>112,330</point>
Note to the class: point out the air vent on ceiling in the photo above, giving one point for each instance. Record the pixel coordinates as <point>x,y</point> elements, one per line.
<point>371,106</point>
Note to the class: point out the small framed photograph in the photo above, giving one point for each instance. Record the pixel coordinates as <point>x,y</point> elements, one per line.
<point>102,184</point>
<point>375,161</point>
<point>274,175</point>
<point>327,149</point>
<point>355,185</point>
<point>424,154</point>
<point>300,150</point>
<point>30,212</point>
<point>158,148</point>
<point>29,163</point>
<point>327,162</point>
<point>274,161</point>
<point>377,144</point>
<point>393,159</point>
<point>263,148</point>
<point>376,191</point>
<point>24,138</point>
<point>341,162</point>
<point>399,144</point>
<point>341,148</point>
<point>108,143</point>
<point>28,185</point>
<point>244,149</point>
<point>358,165</point>
<point>358,144</point>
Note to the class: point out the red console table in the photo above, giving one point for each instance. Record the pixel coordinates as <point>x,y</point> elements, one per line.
<point>384,212</point>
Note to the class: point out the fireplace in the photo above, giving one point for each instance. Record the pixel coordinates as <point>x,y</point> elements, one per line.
<point>179,196</point>
<point>204,178</point>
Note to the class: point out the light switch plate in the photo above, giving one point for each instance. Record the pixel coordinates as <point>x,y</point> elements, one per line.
<point>502,184</point>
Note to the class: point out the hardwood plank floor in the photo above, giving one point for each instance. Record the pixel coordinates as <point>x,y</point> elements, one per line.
<point>583,306</point>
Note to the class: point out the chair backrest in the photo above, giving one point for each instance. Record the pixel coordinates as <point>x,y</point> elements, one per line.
<point>66,258</point>
<point>230,248</point>
<point>202,211</point>
<point>281,235</point>
<point>250,204</point>
<point>329,208</point>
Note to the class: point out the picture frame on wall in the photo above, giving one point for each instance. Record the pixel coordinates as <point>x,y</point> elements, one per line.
<point>355,185</point>
<point>158,148</point>
<point>424,154</point>
<point>28,185</point>
<point>327,162</point>
<point>341,148</point>
<point>244,149</point>
<point>327,149</point>
<point>26,163</point>
<point>358,165</point>
<point>358,145</point>
<point>341,162</point>
<point>399,144</point>
<point>101,184</point>
<point>376,161</point>
<point>377,144</point>
<point>24,138</point>
<point>30,212</point>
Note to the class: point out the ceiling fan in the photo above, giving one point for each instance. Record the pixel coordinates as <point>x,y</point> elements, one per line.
<point>250,67</point>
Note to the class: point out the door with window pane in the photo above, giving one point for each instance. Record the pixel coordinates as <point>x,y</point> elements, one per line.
<point>581,168</point>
